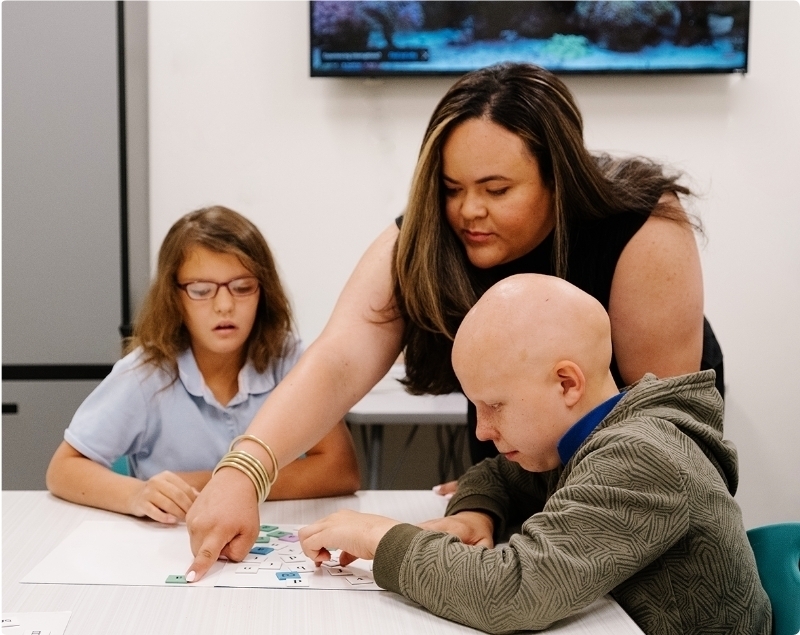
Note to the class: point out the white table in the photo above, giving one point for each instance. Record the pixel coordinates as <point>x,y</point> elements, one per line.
<point>388,403</point>
<point>35,522</point>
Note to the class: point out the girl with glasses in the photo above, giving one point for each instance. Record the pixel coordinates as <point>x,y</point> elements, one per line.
<point>212,341</point>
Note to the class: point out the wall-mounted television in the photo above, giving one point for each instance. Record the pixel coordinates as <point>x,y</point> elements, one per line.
<point>361,38</point>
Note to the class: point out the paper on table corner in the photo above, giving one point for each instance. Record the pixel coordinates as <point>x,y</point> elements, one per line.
<point>51,622</point>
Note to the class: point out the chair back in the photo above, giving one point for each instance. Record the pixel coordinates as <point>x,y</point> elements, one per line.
<point>120,466</point>
<point>777,551</point>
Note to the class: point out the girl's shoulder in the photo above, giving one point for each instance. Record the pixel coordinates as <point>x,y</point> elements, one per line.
<point>134,367</point>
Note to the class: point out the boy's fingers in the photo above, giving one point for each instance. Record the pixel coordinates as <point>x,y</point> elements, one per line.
<point>346,558</point>
<point>446,489</point>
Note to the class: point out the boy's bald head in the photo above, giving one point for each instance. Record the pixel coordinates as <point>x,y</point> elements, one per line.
<point>534,348</point>
<point>536,319</point>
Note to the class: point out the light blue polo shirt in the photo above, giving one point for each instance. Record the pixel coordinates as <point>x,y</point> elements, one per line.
<point>160,425</point>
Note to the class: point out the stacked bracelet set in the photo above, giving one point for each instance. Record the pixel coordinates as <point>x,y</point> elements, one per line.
<point>251,466</point>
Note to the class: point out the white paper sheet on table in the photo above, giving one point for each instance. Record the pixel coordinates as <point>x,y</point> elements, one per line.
<point>142,553</point>
<point>125,553</point>
<point>52,623</point>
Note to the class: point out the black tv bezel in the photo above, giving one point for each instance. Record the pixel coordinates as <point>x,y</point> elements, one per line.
<point>405,74</point>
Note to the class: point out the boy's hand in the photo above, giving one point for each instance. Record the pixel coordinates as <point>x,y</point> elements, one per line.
<point>473,528</point>
<point>165,497</point>
<point>356,534</point>
<point>446,489</point>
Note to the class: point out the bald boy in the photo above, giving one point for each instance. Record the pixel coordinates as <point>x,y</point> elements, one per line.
<point>628,493</point>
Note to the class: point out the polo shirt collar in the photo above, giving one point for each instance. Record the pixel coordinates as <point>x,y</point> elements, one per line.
<point>580,431</point>
<point>251,382</point>
<point>189,373</point>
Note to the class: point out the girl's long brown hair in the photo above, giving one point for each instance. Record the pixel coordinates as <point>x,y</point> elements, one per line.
<point>159,327</point>
<point>433,287</point>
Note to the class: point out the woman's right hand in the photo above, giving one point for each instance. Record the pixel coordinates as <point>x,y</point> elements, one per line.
<point>165,497</point>
<point>223,521</point>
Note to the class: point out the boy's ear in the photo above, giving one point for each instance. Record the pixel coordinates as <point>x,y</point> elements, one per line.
<point>572,381</point>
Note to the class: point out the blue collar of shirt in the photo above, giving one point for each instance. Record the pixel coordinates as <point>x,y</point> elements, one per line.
<point>578,433</point>
<point>250,381</point>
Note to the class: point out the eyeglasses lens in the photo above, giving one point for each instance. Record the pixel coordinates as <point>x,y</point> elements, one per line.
<point>206,290</point>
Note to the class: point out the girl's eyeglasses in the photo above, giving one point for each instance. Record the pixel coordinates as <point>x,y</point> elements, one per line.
<point>203,290</point>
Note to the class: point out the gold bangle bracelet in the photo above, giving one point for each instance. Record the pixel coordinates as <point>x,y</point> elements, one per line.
<point>258,467</point>
<point>247,470</point>
<point>267,449</point>
<point>258,479</point>
<point>225,463</point>
<point>252,467</point>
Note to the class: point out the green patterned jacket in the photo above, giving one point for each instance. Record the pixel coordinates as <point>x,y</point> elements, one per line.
<point>643,510</point>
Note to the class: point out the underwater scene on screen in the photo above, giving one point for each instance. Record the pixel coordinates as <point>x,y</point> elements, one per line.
<point>450,37</point>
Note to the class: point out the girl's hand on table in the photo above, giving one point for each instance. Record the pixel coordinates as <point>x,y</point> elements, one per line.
<point>165,497</point>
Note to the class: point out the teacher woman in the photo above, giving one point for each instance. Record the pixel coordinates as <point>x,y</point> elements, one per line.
<point>503,185</point>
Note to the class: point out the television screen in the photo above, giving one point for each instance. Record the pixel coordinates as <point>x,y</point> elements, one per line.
<point>364,38</point>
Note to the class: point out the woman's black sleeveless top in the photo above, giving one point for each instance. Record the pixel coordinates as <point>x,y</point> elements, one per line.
<point>594,249</point>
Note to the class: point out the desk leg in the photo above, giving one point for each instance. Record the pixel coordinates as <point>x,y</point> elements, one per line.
<point>375,450</point>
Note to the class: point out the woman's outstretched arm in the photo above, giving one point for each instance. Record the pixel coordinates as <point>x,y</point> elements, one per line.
<point>354,351</point>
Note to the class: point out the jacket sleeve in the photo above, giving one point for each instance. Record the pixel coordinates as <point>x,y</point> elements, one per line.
<point>619,509</point>
<point>503,489</point>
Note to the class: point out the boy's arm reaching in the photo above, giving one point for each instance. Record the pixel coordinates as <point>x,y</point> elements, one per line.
<point>501,489</point>
<point>594,533</point>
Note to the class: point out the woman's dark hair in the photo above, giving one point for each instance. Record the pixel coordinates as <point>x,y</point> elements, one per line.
<point>432,284</point>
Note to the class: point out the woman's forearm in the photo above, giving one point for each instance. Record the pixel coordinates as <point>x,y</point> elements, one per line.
<point>295,417</point>
<point>355,350</point>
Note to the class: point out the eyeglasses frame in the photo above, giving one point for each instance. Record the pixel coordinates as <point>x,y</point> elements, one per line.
<point>183,287</point>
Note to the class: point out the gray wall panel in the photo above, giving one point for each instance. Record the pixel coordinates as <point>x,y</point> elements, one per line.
<point>61,253</point>
<point>32,434</point>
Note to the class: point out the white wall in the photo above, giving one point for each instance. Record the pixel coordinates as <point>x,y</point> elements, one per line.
<point>322,165</point>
